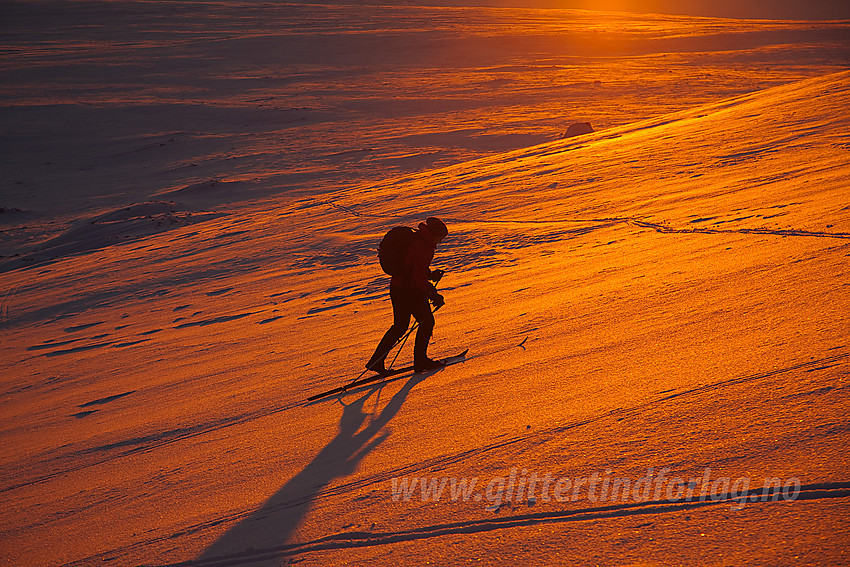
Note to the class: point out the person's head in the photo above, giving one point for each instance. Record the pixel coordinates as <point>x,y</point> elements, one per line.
<point>437,228</point>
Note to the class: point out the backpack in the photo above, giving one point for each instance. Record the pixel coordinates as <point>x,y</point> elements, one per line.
<point>392,249</point>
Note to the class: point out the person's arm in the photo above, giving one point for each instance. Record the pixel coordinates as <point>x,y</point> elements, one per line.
<point>420,266</point>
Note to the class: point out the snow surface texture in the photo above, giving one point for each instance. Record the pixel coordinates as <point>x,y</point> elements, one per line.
<point>667,292</point>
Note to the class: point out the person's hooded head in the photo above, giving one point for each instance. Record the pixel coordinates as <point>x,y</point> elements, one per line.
<point>437,228</point>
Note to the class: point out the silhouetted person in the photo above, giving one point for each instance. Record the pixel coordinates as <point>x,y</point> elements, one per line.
<point>410,292</point>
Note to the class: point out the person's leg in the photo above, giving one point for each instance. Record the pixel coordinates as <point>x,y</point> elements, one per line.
<point>421,310</point>
<point>401,320</point>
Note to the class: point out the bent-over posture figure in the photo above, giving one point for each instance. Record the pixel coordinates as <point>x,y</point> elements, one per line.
<point>410,292</point>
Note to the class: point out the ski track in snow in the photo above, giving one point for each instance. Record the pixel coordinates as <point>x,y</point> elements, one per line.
<point>763,231</point>
<point>610,221</point>
<point>6,301</point>
<point>351,540</point>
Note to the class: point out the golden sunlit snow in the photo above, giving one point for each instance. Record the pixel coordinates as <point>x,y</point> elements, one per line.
<point>189,255</point>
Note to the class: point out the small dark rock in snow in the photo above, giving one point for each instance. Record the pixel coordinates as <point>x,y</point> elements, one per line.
<point>577,129</point>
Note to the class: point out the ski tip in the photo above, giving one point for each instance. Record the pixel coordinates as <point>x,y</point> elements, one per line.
<point>456,357</point>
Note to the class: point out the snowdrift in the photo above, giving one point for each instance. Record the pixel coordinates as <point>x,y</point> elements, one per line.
<point>662,300</point>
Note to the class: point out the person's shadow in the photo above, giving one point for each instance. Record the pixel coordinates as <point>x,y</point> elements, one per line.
<point>271,526</point>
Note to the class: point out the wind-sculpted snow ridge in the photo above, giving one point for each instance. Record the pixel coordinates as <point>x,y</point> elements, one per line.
<point>123,225</point>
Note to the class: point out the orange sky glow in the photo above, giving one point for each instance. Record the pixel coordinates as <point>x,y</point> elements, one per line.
<point>761,9</point>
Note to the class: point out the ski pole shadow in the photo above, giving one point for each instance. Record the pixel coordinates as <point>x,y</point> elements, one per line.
<point>272,525</point>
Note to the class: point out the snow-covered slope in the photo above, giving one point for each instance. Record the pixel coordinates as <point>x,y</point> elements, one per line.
<point>670,294</point>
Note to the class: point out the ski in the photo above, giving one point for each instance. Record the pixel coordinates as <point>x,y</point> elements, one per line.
<point>390,374</point>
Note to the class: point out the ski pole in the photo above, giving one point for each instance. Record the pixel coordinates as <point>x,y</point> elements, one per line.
<point>403,339</point>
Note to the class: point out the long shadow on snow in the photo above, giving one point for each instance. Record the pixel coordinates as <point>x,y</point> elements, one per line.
<point>273,524</point>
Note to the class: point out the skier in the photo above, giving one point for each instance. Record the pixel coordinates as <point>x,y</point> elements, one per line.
<point>410,292</point>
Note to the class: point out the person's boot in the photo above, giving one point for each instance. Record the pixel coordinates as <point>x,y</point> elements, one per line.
<point>427,364</point>
<point>377,366</point>
<point>376,363</point>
